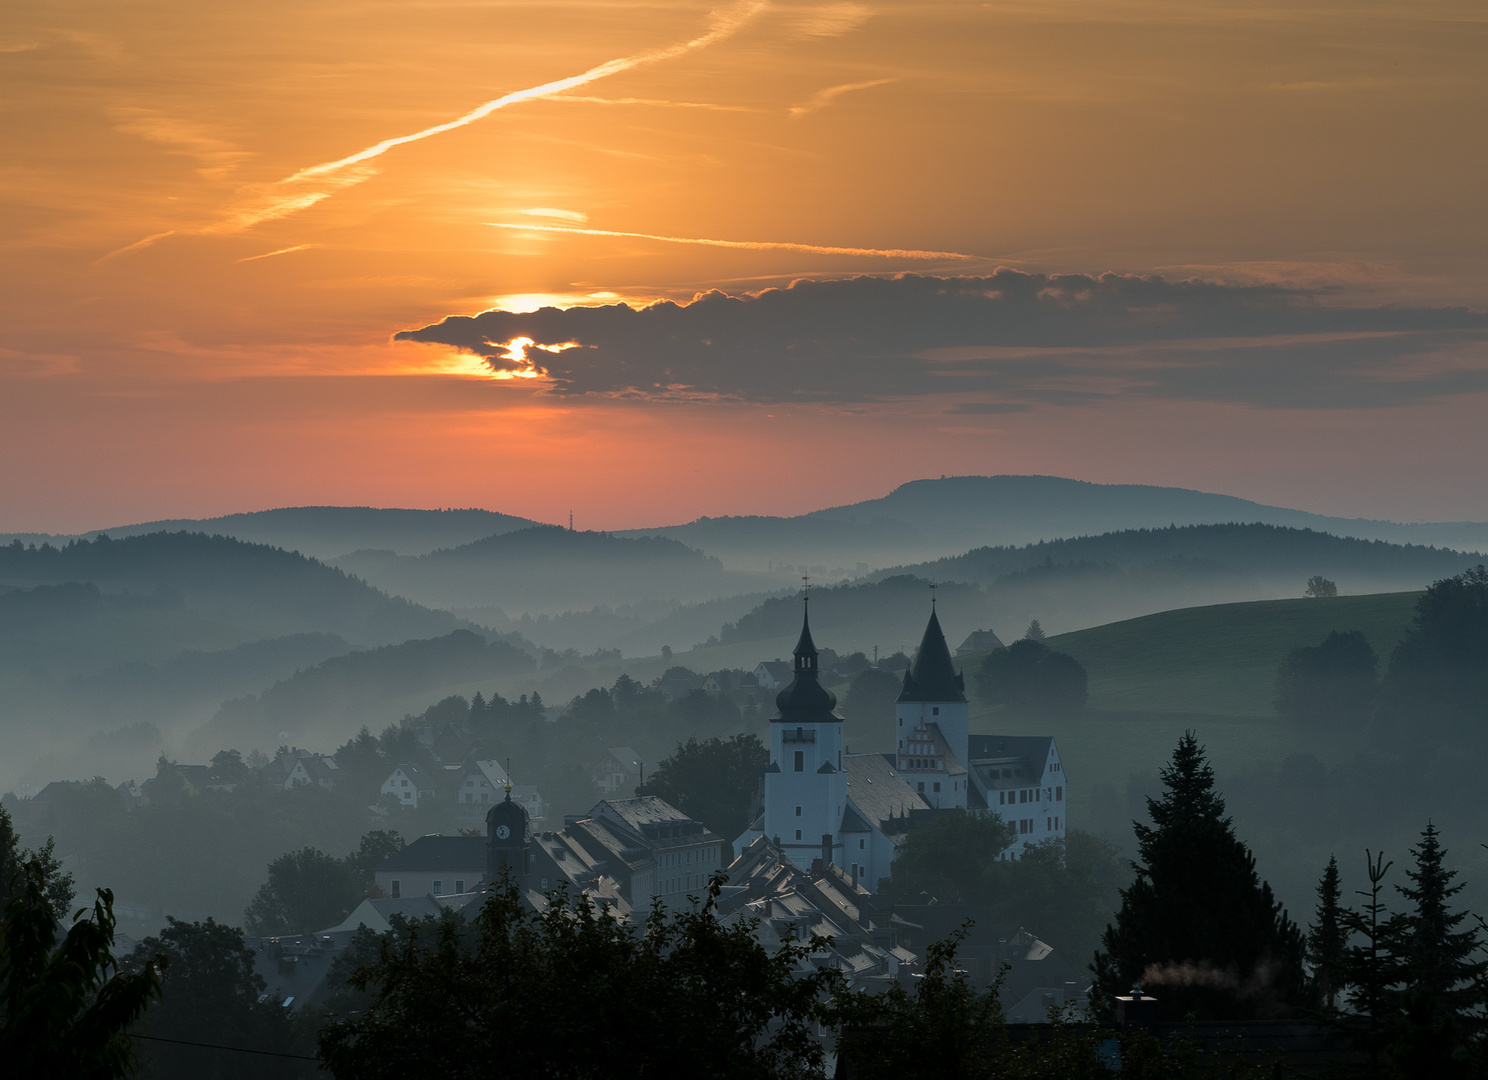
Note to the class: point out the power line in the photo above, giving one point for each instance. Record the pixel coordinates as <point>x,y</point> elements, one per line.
<point>218,1046</point>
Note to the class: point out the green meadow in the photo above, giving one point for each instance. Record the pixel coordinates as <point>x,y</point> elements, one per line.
<point>1206,668</point>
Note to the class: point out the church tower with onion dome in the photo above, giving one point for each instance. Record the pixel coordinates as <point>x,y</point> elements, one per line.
<point>805,785</point>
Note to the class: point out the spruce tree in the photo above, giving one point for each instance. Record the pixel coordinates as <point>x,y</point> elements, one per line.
<point>1441,957</point>
<point>1327,938</point>
<point>1372,968</point>
<point>1198,929</point>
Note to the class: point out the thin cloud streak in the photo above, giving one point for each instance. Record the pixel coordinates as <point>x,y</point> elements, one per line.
<point>748,245</point>
<point>281,251</point>
<point>341,174</point>
<point>822,98</point>
<point>724,24</point>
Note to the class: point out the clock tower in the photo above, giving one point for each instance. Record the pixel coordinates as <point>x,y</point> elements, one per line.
<point>506,840</point>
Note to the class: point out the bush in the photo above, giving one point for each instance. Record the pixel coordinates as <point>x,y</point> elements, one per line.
<point>1332,683</point>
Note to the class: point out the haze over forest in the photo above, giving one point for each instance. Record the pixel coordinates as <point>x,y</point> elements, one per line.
<point>183,638</point>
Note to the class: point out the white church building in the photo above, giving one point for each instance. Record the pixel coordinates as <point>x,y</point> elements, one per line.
<point>854,810</point>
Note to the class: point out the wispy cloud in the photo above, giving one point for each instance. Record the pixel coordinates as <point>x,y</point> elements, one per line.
<point>281,251</point>
<point>830,20</point>
<point>289,196</point>
<point>216,156</point>
<point>748,245</point>
<point>659,102</point>
<point>555,213</point>
<point>725,22</point>
<point>141,243</point>
<point>823,98</point>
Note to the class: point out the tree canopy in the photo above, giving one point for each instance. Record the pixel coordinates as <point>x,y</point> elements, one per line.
<point>712,781</point>
<point>1030,674</point>
<point>210,993</point>
<point>1328,684</point>
<point>64,1005</point>
<point>1437,683</point>
<point>573,992</point>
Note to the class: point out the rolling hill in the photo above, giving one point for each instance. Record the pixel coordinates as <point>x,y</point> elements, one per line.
<point>930,519</point>
<point>546,569</point>
<point>325,532</point>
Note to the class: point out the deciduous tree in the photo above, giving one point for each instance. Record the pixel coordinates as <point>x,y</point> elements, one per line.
<point>64,1005</point>
<point>712,780</point>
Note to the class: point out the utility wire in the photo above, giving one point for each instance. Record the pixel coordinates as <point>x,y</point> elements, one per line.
<point>218,1046</point>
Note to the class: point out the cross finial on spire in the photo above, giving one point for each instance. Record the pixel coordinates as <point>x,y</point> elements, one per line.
<point>933,587</point>
<point>806,587</point>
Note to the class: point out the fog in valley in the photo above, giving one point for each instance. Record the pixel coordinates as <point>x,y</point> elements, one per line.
<point>296,630</point>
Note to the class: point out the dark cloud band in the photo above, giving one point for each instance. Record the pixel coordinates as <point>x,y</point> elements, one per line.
<point>1000,342</point>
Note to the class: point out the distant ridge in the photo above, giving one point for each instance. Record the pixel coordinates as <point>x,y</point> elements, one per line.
<point>929,519</point>
<point>326,532</point>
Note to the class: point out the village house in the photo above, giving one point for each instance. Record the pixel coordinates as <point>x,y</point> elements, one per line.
<point>409,784</point>
<point>620,770</point>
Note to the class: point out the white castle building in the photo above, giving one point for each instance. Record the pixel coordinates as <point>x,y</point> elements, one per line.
<point>854,810</point>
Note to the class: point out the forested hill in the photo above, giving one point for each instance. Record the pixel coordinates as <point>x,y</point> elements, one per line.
<point>266,590</point>
<point>326,704</point>
<point>328,531</point>
<point>1259,551</point>
<point>550,569</point>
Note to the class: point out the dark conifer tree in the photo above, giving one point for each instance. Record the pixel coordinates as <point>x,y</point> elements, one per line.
<point>1372,968</point>
<point>1327,938</point>
<point>1440,955</point>
<point>1198,928</point>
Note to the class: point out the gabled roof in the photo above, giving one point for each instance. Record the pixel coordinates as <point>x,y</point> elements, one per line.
<point>421,782</point>
<point>434,852</point>
<point>936,738</point>
<point>1025,756</point>
<point>933,677</point>
<point>979,641</point>
<point>490,771</point>
<point>627,757</point>
<point>640,811</point>
<point>876,789</point>
<point>1031,748</point>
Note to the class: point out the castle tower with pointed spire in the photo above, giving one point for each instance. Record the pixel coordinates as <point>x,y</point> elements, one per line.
<point>805,785</point>
<point>931,725</point>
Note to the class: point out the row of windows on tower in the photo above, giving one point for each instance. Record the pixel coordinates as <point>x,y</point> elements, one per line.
<point>1025,825</point>
<point>1026,795</point>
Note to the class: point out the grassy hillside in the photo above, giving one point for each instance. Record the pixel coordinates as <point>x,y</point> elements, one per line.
<point>1221,660</point>
<point>1209,669</point>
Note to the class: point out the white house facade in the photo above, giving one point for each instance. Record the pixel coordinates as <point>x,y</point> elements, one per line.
<point>409,784</point>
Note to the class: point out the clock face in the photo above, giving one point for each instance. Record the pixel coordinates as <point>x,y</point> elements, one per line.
<point>502,832</point>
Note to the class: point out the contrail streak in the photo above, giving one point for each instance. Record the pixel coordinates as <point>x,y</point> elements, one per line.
<point>751,245</point>
<point>724,24</point>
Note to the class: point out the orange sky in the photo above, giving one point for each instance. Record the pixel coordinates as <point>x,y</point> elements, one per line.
<point>196,319</point>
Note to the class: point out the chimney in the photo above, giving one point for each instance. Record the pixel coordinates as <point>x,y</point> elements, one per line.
<point>826,858</point>
<point>1136,1009</point>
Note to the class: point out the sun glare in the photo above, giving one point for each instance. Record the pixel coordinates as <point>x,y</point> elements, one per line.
<point>522,303</point>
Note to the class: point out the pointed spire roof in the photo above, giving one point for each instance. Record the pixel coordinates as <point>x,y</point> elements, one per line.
<point>804,700</point>
<point>933,677</point>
